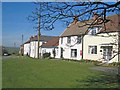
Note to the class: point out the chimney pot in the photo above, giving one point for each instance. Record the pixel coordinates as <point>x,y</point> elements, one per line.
<point>75,19</point>
<point>95,15</point>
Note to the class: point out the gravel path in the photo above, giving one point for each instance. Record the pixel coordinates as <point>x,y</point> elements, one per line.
<point>107,69</point>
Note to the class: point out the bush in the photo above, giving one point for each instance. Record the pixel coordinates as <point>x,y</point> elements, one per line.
<point>82,60</point>
<point>96,63</point>
<point>45,55</point>
<point>117,64</point>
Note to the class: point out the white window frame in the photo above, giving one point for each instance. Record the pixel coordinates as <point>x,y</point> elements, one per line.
<point>92,49</point>
<point>74,53</point>
<point>94,30</point>
<point>79,39</point>
<point>44,51</point>
<point>68,39</point>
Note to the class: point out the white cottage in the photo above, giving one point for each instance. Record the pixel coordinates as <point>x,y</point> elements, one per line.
<point>102,44</point>
<point>34,44</point>
<point>27,48</point>
<point>81,41</point>
<point>70,42</point>
<point>51,47</point>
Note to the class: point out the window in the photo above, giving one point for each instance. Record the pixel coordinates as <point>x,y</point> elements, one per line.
<point>93,30</point>
<point>61,40</point>
<point>68,39</point>
<point>79,39</point>
<point>44,51</point>
<point>73,52</point>
<point>92,50</point>
<point>56,51</point>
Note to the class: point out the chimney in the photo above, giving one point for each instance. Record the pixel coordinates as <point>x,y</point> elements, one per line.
<point>95,16</point>
<point>97,19</point>
<point>31,38</point>
<point>75,19</point>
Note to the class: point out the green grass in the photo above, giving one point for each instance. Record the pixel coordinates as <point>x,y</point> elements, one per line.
<point>0,72</point>
<point>26,72</point>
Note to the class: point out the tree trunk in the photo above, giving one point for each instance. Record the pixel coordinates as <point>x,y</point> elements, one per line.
<point>38,55</point>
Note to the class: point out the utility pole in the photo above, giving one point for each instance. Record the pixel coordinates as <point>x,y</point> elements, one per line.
<point>39,11</point>
<point>22,46</point>
<point>118,45</point>
<point>14,44</point>
<point>22,38</point>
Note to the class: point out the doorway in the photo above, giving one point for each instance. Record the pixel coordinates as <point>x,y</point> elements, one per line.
<point>107,53</point>
<point>61,53</point>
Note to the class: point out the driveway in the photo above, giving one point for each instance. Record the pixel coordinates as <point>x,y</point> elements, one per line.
<point>5,57</point>
<point>107,69</point>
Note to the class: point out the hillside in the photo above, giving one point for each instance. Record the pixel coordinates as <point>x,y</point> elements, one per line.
<point>12,50</point>
<point>0,50</point>
<point>9,50</point>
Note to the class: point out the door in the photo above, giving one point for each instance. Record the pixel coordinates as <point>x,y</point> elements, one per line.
<point>107,53</point>
<point>61,52</point>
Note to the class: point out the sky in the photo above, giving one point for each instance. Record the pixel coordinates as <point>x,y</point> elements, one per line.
<point>15,24</point>
<point>0,25</point>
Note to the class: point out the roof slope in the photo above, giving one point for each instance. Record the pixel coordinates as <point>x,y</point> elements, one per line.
<point>52,42</point>
<point>42,38</point>
<point>27,42</point>
<point>113,25</point>
<point>77,28</point>
<point>80,28</point>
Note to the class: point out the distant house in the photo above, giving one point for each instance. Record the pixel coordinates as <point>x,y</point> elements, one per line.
<point>34,44</point>
<point>51,47</point>
<point>102,44</point>
<point>21,51</point>
<point>27,48</point>
<point>70,42</point>
<point>1,50</point>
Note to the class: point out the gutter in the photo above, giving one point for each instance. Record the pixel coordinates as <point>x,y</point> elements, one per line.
<point>82,45</point>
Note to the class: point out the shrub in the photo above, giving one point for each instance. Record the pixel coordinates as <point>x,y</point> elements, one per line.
<point>45,55</point>
<point>117,64</point>
<point>96,63</point>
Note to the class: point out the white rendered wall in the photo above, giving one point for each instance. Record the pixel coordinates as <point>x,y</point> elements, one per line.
<point>50,50</point>
<point>34,48</point>
<point>90,40</point>
<point>67,48</point>
<point>27,49</point>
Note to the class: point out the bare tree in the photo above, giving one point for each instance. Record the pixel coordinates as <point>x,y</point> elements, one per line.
<point>66,11</point>
<point>36,18</point>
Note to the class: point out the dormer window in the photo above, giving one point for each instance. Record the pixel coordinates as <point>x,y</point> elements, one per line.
<point>94,30</point>
<point>79,39</point>
<point>69,39</point>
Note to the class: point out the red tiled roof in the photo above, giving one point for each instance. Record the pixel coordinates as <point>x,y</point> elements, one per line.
<point>52,42</point>
<point>74,28</point>
<point>113,25</point>
<point>42,38</point>
<point>77,28</point>
<point>27,42</point>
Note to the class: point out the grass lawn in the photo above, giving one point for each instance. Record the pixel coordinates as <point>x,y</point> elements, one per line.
<point>26,72</point>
